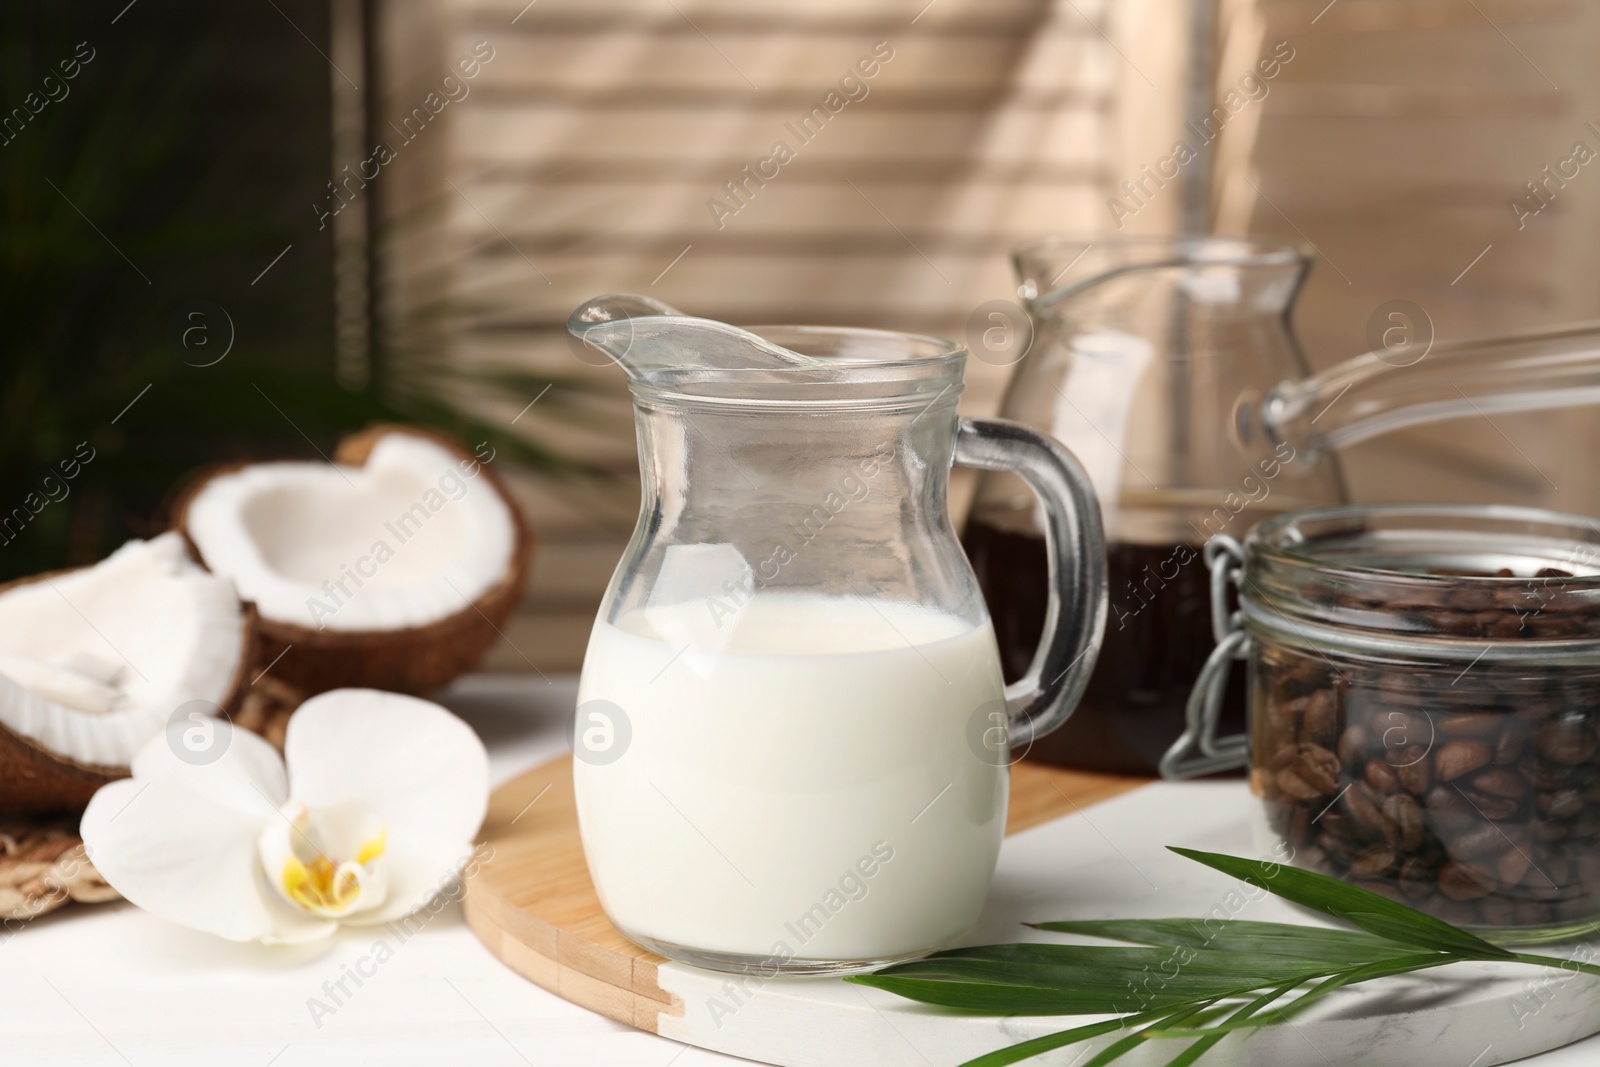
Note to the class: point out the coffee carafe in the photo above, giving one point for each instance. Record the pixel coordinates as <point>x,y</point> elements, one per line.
<point>1169,368</point>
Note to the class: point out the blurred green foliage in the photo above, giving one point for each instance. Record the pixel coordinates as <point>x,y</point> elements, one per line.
<point>177,162</point>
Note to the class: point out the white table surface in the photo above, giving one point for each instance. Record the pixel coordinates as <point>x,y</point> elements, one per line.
<point>107,984</point>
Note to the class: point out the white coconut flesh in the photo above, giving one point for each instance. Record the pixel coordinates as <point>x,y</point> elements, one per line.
<point>411,537</point>
<point>94,662</point>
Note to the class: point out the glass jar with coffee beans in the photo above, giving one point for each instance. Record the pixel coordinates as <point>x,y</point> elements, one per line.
<point>1425,706</point>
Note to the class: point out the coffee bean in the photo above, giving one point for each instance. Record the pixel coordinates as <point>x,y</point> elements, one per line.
<point>1512,865</point>
<point>1474,724</point>
<point>1449,802</point>
<point>1338,825</point>
<point>1554,865</point>
<point>1545,775</point>
<point>1568,740</point>
<point>1406,822</point>
<point>1509,746</point>
<point>1320,723</point>
<point>1490,806</point>
<point>1461,882</point>
<point>1418,878</point>
<point>1500,782</point>
<point>1318,768</point>
<point>1282,756</point>
<point>1365,811</point>
<point>1375,861</point>
<point>1415,768</point>
<point>1337,847</point>
<point>1290,782</point>
<point>1457,758</point>
<point>1382,777</point>
<point>1561,804</point>
<point>1401,729</point>
<point>1548,832</point>
<point>1353,745</point>
<point>1481,839</point>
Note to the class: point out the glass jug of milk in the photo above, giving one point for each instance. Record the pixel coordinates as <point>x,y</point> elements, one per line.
<point>792,737</point>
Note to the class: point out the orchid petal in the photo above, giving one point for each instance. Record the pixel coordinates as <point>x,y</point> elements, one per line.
<point>421,769</point>
<point>417,879</point>
<point>178,853</point>
<point>247,776</point>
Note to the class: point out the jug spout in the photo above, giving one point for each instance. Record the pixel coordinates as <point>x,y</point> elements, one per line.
<point>1413,384</point>
<point>648,339</point>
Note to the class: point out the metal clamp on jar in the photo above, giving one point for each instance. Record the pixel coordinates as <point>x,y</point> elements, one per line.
<point>1424,705</point>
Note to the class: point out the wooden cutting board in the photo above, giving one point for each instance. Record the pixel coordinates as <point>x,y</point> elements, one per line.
<point>532,903</point>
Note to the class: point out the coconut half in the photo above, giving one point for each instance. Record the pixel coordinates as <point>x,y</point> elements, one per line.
<point>393,567</point>
<point>94,661</point>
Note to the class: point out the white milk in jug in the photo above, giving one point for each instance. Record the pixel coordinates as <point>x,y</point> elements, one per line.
<point>796,778</point>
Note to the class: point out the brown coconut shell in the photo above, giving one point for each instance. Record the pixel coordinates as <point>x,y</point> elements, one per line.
<point>415,659</point>
<point>36,781</point>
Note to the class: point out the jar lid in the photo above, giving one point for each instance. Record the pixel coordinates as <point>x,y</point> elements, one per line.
<point>1464,580</point>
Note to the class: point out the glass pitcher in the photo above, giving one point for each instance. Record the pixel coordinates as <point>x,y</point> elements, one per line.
<point>792,736</point>
<point>1168,367</point>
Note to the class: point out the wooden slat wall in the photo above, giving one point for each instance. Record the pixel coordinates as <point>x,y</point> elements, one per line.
<point>1394,141</point>
<point>583,159</point>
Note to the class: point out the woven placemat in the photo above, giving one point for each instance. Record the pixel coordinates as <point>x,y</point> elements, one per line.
<point>42,861</point>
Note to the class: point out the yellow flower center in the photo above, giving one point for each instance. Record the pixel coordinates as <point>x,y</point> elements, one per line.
<point>308,857</point>
<point>326,887</point>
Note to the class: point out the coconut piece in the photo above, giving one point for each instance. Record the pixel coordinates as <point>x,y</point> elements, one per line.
<point>94,661</point>
<point>59,684</point>
<point>392,567</point>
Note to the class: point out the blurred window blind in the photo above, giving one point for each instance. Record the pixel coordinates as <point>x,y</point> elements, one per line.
<point>587,152</point>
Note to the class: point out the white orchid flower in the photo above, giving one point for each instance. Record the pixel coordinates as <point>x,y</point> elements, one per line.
<point>372,818</point>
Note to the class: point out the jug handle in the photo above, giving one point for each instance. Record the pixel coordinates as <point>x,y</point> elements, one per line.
<point>1075,619</point>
